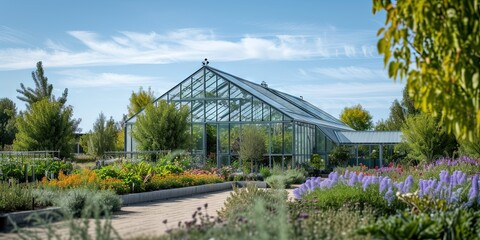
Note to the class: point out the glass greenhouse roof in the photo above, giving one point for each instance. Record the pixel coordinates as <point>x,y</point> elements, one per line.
<point>369,137</point>
<point>294,107</point>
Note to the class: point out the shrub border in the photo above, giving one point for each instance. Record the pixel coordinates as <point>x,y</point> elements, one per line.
<point>22,217</point>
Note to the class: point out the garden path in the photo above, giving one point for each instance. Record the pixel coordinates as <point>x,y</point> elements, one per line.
<point>146,219</point>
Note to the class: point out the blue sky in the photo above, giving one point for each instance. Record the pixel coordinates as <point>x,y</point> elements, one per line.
<point>101,51</point>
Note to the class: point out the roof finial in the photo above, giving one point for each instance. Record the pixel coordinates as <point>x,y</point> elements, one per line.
<point>205,62</point>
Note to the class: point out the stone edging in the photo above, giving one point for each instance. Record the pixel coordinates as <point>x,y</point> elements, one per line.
<point>26,217</point>
<point>134,198</point>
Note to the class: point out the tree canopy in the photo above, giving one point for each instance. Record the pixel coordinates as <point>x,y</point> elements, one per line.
<point>139,100</point>
<point>426,139</point>
<point>46,126</point>
<point>42,89</point>
<point>8,112</point>
<point>398,114</point>
<point>435,45</point>
<point>103,137</point>
<point>162,127</point>
<point>357,118</point>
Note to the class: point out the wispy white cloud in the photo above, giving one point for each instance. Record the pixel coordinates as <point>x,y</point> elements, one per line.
<point>9,35</point>
<point>189,44</point>
<point>85,78</point>
<point>345,73</point>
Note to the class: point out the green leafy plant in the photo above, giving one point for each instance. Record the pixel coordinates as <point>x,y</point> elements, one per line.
<point>265,172</point>
<point>339,156</point>
<point>455,224</point>
<point>278,181</point>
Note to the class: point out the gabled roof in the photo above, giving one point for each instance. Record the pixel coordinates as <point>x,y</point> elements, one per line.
<point>369,137</point>
<point>291,106</point>
<point>295,108</point>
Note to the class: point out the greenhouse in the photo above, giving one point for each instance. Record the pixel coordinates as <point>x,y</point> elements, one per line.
<point>221,105</point>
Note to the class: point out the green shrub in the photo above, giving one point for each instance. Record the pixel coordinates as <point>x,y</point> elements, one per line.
<point>317,162</point>
<point>73,201</point>
<point>44,197</point>
<point>244,198</point>
<point>278,181</point>
<point>15,197</point>
<point>310,222</point>
<point>109,171</point>
<point>340,195</point>
<point>79,202</point>
<point>457,224</point>
<point>252,213</point>
<point>265,172</point>
<point>295,176</point>
<point>107,201</point>
<point>339,155</point>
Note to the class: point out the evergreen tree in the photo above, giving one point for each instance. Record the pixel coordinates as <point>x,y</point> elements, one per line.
<point>46,126</point>
<point>398,114</point>
<point>426,139</point>
<point>103,137</point>
<point>42,89</point>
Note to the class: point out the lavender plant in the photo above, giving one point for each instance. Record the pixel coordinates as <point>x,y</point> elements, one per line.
<point>448,188</point>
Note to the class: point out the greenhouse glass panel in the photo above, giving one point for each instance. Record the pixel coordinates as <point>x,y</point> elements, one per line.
<point>329,145</point>
<point>235,92</point>
<point>257,110</point>
<point>211,110</point>
<point>320,141</point>
<point>224,135</point>
<point>222,88</point>
<point>235,110</point>
<point>174,94</point>
<point>277,137</point>
<point>235,137</point>
<point>224,160</point>
<point>186,89</point>
<point>266,112</point>
<point>198,112</point>
<point>197,136</point>
<point>288,137</point>
<point>211,86</point>
<point>198,86</point>
<point>246,107</point>
<point>276,115</point>
<point>223,110</point>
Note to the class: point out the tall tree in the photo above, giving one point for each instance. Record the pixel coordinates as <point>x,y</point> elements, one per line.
<point>398,114</point>
<point>139,100</point>
<point>103,137</point>
<point>426,139</point>
<point>162,127</point>
<point>42,89</point>
<point>357,118</point>
<point>46,126</point>
<point>435,46</point>
<point>8,112</point>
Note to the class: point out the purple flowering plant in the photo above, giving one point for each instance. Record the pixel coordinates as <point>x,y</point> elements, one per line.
<point>449,189</point>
